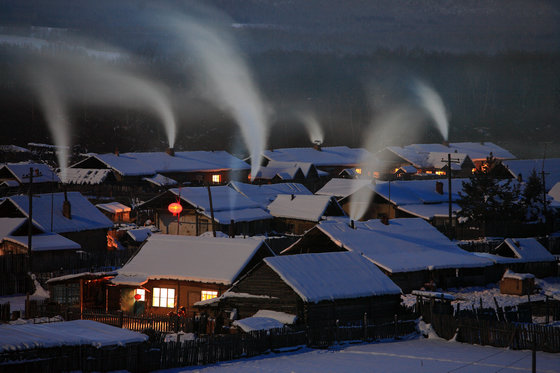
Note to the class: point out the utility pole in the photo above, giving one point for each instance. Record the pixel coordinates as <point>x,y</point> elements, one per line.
<point>450,160</point>
<point>30,214</point>
<point>545,212</point>
<point>211,210</point>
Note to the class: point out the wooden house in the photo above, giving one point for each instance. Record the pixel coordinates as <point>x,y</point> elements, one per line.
<point>49,251</point>
<point>410,251</point>
<point>522,255</point>
<point>233,213</point>
<point>318,289</point>
<point>330,159</point>
<point>297,214</point>
<point>517,283</point>
<point>70,215</point>
<point>170,272</point>
<point>116,211</point>
<point>264,194</point>
<point>195,167</point>
<point>427,158</point>
<point>297,172</point>
<point>85,291</point>
<point>15,178</point>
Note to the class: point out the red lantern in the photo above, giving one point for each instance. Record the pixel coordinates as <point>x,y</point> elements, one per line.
<point>175,208</point>
<point>137,296</point>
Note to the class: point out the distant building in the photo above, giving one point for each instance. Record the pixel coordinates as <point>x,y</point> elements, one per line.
<point>14,178</point>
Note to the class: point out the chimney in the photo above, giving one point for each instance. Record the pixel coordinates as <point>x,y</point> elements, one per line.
<point>170,151</point>
<point>439,187</point>
<point>317,146</point>
<point>385,220</point>
<point>352,224</point>
<point>116,151</point>
<point>66,208</point>
<point>231,231</point>
<point>520,178</point>
<point>446,143</point>
<point>293,196</point>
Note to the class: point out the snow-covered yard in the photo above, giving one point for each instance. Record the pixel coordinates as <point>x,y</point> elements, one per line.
<point>471,296</point>
<point>416,355</point>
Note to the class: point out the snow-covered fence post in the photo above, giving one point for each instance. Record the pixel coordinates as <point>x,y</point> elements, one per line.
<point>120,313</point>
<point>396,326</point>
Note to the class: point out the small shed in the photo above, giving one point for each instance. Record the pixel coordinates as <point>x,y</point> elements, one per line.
<point>116,211</point>
<point>317,288</point>
<point>517,283</point>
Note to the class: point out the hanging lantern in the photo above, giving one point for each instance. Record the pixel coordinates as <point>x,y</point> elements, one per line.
<point>175,208</point>
<point>137,296</point>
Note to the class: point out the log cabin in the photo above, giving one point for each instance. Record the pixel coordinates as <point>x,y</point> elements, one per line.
<point>410,251</point>
<point>170,272</point>
<point>318,289</point>
<point>233,213</point>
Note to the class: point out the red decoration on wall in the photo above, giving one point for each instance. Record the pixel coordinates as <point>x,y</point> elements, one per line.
<point>137,296</point>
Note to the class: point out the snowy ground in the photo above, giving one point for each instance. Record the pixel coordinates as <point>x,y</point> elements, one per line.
<point>416,355</point>
<point>17,302</point>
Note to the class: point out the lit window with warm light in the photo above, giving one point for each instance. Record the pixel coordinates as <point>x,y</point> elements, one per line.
<point>217,178</point>
<point>140,295</point>
<point>473,170</point>
<point>429,172</point>
<point>208,294</point>
<point>359,171</point>
<point>163,298</point>
<point>440,172</point>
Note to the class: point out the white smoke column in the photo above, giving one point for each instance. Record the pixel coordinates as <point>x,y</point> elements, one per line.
<point>70,76</point>
<point>55,114</point>
<point>227,81</point>
<point>312,127</point>
<point>387,129</point>
<point>433,104</point>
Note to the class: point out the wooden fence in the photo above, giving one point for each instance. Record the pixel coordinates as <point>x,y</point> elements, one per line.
<point>210,349</point>
<point>158,323</point>
<point>517,336</point>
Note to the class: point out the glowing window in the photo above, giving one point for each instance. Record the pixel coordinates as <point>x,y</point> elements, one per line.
<point>440,172</point>
<point>207,294</point>
<point>142,294</point>
<point>473,170</point>
<point>216,178</point>
<point>163,298</point>
<point>359,171</point>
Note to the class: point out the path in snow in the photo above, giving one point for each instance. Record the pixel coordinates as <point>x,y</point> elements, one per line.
<point>418,355</point>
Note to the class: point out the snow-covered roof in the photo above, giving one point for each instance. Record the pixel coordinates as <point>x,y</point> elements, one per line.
<point>81,275</point>
<point>408,169</point>
<point>42,173</point>
<point>416,153</point>
<point>210,260</point>
<point>160,180</point>
<point>302,207</point>
<point>150,163</point>
<point>331,276</point>
<point>526,166</point>
<point>264,194</point>
<point>89,176</point>
<point>253,323</point>
<point>517,276</point>
<point>430,210</point>
<point>227,204</point>
<point>140,234</point>
<point>405,245</point>
<point>555,192</point>
<point>85,216</point>
<point>327,156</point>
<point>67,333</point>
<point>45,242</point>
<point>113,207</point>
<point>528,249</point>
<point>342,188</point>
<point>10,183</point>
<point>13,149</point>
<point>9,225</point>
<point>438,160</point>
<point>413,192</point>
